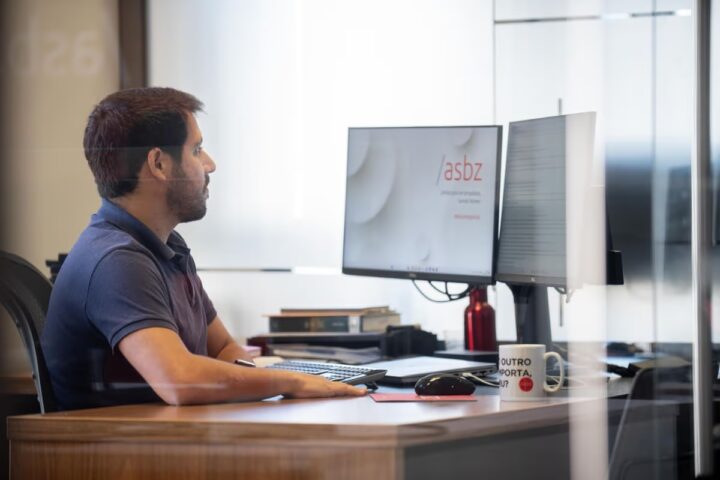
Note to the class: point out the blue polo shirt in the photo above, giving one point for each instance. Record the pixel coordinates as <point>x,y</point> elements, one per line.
<point>118,278</point>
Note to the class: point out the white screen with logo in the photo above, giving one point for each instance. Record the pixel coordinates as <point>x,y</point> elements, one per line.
<point>421,202</point>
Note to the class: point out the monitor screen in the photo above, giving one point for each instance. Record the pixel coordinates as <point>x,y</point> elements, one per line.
<point>533,245</point>
<point>421,202</point>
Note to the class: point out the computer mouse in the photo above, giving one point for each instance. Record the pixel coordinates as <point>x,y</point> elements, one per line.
<point>444,384</point>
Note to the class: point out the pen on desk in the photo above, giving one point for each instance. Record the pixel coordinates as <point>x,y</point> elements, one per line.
<point>244,363</point>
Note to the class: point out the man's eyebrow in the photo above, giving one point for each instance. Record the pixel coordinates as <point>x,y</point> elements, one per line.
<point>197,144</point>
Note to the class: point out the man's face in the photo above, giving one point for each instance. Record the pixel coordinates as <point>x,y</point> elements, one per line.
<point>188,193</point>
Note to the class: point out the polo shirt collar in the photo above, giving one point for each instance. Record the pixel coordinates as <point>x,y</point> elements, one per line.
<point>114,214</point>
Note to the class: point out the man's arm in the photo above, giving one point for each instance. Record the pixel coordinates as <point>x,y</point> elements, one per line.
<point>222,345</point>
<point>180,377</point>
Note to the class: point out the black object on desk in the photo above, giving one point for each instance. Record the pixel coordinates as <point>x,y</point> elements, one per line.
<point>444,384</point>
<point>396,341</point>
<point>55,265</point>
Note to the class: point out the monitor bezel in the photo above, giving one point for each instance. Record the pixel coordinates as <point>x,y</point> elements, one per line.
<point>441,277</point>
<point>534,280</point>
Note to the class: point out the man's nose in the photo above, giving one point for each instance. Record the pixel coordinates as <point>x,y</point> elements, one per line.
<point>209,164</point>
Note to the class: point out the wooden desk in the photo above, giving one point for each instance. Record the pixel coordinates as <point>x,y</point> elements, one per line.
<point>345,438</point>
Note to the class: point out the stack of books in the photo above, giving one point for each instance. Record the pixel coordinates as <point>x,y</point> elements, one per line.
<point>333,320</point>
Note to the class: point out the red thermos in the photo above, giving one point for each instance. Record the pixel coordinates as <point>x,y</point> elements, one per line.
<point>480,322</point>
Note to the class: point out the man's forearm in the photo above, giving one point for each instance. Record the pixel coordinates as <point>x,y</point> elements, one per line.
<point>212,381</point>
<point>209,380</point>
<point>233,351</point>
<point>180,377</point>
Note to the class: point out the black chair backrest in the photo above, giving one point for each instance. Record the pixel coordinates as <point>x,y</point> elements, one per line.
<point>25,294</point>
<point>671,448</point>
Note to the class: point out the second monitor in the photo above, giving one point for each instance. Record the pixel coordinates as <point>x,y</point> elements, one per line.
<point>422,203</point>
<point>543,226</point>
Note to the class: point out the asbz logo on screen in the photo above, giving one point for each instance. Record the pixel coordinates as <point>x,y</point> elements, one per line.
<point>461,171</point>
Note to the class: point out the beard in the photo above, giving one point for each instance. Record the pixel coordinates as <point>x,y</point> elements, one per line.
<point>184,200</point>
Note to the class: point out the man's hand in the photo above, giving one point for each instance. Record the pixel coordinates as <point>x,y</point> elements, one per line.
<point>312,386</point>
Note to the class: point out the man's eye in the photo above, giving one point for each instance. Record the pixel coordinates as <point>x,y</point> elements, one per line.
<point>197,150</point>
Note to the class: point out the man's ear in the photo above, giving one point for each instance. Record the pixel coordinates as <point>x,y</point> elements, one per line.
<point>159,164</point>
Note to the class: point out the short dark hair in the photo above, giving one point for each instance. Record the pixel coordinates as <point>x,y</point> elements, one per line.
<point>125,125</point>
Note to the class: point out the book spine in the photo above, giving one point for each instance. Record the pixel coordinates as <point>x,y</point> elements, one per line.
<point>294,324</point>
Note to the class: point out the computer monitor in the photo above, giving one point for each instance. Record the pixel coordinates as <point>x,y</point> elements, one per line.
<point>547,163</point>
<point>422,203</point>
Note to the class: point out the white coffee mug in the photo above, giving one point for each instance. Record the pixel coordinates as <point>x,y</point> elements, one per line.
<point>522,372</point>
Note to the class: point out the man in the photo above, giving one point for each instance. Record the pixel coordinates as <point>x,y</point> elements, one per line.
<point>129,320</point>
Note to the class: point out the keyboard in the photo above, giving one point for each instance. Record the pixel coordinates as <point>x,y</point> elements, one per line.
<point>336,372</point>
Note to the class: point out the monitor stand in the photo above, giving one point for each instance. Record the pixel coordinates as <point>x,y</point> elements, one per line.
<point>532,315</point>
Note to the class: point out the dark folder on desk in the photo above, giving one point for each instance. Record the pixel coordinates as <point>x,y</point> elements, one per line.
<point>407,371</point>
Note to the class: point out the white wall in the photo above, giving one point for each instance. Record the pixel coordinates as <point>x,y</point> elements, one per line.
<point>282,81</point>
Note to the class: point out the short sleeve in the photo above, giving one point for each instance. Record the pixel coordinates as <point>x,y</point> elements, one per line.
<point>127,293</point>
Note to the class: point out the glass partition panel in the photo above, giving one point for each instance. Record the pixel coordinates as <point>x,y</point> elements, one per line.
<point>592,307</point>
<point>631,63</point>
<point>607,84</point>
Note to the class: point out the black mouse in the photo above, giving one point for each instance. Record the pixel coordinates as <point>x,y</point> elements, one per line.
<point>444,384</point>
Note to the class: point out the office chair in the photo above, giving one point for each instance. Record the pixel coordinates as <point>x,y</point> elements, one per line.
<point>649,443</point>
<point>25,294</point>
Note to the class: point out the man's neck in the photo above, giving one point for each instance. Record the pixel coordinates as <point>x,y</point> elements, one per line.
<point>149,213</point>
